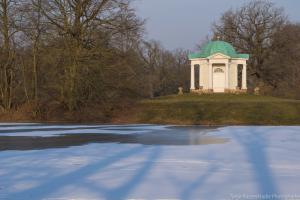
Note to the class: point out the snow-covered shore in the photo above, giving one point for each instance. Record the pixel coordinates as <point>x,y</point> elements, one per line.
<point>254,163</point>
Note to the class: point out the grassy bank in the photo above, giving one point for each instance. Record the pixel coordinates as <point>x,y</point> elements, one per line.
<point>217,109</point>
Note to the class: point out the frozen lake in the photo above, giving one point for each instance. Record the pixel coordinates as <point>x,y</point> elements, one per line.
<point>62,162</point>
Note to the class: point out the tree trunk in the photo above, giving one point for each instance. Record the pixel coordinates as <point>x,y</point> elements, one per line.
<point>7,64</point>
<point>35,73</point>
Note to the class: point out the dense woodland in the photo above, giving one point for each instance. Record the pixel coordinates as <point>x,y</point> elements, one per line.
<point>86,59</point>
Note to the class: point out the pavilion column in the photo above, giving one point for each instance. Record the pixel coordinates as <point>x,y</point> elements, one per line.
<point>236,76</point>
<point>233,75</point>
<point>210,78</point>
<point>200,78</point>
<point>192,77</point>
<point>244,78</point>
<point>227,75</point>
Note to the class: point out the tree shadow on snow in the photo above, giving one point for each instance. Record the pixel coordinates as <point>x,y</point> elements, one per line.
<point>78,177</point>
<point>254,147</point>
<point>199,182</point>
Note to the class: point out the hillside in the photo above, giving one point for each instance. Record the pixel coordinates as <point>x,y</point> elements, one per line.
<point>217,109</point>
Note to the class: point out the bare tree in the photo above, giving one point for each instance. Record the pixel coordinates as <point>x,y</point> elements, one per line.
<point>8,30</point>
<point>284,61</point>
<point>251,29</point>
<point>165,70</point>
<point>77,21</point>
<point>151,53</point>
<point>33,25</point>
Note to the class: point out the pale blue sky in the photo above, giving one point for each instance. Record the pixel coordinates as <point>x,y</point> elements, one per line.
<point>184,23</point>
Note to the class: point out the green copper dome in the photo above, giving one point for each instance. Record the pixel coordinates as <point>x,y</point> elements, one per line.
<point>214,47</point>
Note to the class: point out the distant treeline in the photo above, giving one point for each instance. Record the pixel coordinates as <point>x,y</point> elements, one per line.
<point>66,55</point>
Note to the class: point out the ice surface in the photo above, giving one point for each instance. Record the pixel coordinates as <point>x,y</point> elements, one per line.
<point>41,130</point>
<point>256,161</point>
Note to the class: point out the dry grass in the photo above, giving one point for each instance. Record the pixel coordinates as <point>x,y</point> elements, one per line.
<point>219,109</point>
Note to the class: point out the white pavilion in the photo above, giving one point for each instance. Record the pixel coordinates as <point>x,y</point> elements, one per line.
<point>220,67</point>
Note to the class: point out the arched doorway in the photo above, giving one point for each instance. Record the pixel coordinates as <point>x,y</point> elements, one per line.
<point>219,78</point>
